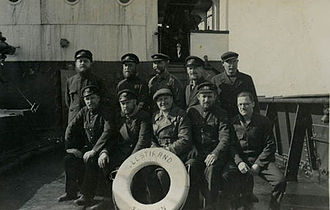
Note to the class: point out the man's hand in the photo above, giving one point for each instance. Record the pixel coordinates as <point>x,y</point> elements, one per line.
<point>255,169</point>
<point>75,152</point>
<point>209,160</point>
<point>193,153</point>
<point>88,155</point>
<point>103,160</point>
<point>243,167</point>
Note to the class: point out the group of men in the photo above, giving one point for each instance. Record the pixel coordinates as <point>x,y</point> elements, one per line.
<point>213,126</point>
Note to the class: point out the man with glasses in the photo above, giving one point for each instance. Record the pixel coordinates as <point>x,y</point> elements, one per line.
<point>231,82</point>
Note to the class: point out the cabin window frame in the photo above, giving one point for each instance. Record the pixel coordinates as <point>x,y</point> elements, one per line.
<point>14,2</point>
<point>72,2</point>
<point>124,4</point>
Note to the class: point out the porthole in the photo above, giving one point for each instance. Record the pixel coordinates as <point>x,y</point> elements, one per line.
<point>124,2</point>
<point>72,2</point>
<point>14,1</point>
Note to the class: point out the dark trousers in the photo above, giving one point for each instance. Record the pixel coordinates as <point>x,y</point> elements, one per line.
<point>206,179</point>
<point>235,182</point>
<point>92,176</point>
<point>74,173</point>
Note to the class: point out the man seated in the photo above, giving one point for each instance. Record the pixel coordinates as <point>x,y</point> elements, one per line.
<point>135,133</point>
<point>99,130</point>
<point>254,151</point>
<point>171,131</point>
<point>211,139</point>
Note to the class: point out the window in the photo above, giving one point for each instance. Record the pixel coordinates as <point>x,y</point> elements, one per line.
<point>14,1</point>
<point>124,2</point>
<point>72,2</point>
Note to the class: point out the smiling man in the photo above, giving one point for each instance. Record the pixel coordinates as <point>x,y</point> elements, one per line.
<point>171,131</point>
<point>231,82</point>
<point>164,79</point>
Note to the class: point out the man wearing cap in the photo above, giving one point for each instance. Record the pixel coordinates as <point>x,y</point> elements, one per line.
<point>231,82</point>
<point>164,79</point>
<point>211,140</point>
<point>88,152</point>
<point>196,75</point>
<point>135,133</point>
<point>132,81</point>
<point>254,151</point>
<point>171,131</point>
<point>83,62</point>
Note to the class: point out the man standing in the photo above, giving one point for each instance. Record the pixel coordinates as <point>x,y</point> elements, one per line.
<point>84,77</point>
<point>164,79</point>
<point>99,132</point>
<point>196,76</point>
<point>211,142</point>
<point>255,148</point>
<point>231,82</point>
<point>132,82</point>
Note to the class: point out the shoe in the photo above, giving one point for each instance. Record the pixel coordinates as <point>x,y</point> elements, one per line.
<point>67,197</point>
<point>103,205</point>
<point>83,201</point>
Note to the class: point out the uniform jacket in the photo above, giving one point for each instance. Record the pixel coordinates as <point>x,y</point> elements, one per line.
<point>255,143</point>
<point>168,80</point>
<point>135,133</point>
<point>99,127</point>
<point>191,94</point>
<point>74,85</point>
<point>139,87</point>
<point>173,132</point>
<point>210,131</point>
<point>228,91</point>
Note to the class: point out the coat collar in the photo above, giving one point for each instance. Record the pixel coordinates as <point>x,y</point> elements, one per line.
<point>163,76</point>
<point>171,115</point>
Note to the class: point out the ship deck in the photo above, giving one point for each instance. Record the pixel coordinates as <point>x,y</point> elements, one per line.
<point>37,182</point>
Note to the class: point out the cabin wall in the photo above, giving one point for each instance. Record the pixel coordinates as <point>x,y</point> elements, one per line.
<point>105,27</point>
<point>283,44</point>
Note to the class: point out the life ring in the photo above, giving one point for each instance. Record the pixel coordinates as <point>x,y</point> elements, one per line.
<point>176,170</point>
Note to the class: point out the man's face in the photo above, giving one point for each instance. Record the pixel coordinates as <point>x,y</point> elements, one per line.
<point>164,102</point>
<point>230,66</point>
<point>129,69</point>
<point>206,100</point>
<point>159,66</point>
<point>127,106</point>
<point>194,72</point>
<point>92,101</point>
<point>245,106</point>
<point>82,64</point>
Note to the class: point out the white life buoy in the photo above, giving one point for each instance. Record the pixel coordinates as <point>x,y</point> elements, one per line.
<point>176,170</point>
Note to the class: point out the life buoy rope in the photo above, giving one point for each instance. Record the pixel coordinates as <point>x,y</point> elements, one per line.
<point>176,170</point>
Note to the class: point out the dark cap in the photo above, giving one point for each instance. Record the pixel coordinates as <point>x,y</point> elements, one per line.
<point>130,57</point>
<point>160,57</point>
<point>229,55</point>
<point>126,94</point>
<point>90,90</point>
<point>83,54</point>
<point>162,91</point>
<point>194,61</point>
<point>206,87</point>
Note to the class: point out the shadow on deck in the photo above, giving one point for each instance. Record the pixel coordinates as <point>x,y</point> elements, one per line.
<point>38,183</point>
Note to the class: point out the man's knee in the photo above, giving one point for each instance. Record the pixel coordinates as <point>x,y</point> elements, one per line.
<point>91,163</point>
<point>70,160</point>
